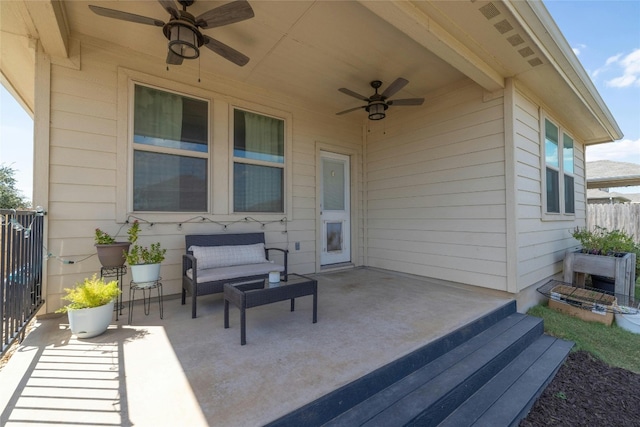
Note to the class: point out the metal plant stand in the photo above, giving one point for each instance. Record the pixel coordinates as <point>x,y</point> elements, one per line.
<point>118,273</point>
<point>146,298</point>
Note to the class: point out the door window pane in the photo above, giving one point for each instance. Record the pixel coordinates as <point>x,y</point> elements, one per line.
<point>257,188</point>
<point>164,182</point>
<point>333,185</point>
<point>165,119</point>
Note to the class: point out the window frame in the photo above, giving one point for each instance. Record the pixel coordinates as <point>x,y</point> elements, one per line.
<point>562,215</point>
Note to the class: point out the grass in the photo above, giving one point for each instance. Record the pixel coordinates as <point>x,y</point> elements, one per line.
<point>611,344</point>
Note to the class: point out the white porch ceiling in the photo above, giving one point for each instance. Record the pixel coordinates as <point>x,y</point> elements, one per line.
<point>306,50</point>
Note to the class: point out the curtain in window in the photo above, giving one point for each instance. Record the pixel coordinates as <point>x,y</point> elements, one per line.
<point>258,188</point>
<point>157,114</point>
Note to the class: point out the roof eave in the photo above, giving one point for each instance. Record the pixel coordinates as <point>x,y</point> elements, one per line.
<point>536,20</point>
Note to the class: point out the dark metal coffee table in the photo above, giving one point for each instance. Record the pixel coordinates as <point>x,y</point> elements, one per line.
<point>262,292</point>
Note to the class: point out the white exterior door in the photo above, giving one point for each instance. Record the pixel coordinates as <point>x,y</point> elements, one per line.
<point>335,211</point>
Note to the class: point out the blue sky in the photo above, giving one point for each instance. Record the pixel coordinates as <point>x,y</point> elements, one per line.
<point>604,34</point>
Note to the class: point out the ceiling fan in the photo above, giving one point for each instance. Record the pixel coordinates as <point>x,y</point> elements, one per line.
<point>183,29</point>
<point>378,103</point>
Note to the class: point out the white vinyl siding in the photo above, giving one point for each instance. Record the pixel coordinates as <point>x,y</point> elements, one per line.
<point>541,244</point>
<point>88,173</point>
<point>436,190</point>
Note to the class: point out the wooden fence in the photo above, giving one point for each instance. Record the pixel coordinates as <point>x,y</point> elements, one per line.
<point>616,216</point>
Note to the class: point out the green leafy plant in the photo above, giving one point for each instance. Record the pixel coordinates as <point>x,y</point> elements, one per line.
<point>601,241</point>
<point>104,238</point>
<point>153,254</point>
<point>90,293</point>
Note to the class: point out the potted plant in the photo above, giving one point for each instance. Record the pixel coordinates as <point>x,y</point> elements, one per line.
<point>144,261</point>
<point>90,306</point>
<point>110,253</point>
<point>608,243</point>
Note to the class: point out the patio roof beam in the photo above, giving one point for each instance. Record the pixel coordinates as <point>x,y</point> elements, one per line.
<point>425,31</point>
<point>49,19</point>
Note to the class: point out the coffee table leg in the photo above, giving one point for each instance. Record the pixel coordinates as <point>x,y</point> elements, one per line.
<point>243,326</point>
<point>293,304</point>
<point>226,314</point>
<point>315,307</point>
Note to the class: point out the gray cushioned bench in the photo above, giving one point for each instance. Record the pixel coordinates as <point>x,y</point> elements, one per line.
<point>215,259</point>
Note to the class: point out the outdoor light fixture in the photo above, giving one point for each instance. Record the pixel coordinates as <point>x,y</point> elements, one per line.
<point>376,110</point>
<point>184,39</point>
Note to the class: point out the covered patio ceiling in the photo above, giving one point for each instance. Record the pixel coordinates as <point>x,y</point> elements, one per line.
<point>306,50</point>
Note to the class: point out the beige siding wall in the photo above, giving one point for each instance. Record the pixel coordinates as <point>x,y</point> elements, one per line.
<point>436,189</point>
<point>541,243</point>
<point>86,168</point>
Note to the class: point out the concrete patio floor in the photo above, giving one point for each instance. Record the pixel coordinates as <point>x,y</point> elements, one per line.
<point>180,371</point>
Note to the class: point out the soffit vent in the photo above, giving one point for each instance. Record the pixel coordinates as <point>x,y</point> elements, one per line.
<point>526,51</point>
<point>535,62</point>
<point>515,40</point>
<point>503,26</point>
<point>489,10</point>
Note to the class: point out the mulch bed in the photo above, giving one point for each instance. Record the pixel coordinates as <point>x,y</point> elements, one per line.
<point>588,392</point>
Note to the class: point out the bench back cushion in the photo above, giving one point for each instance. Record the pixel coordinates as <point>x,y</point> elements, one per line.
<point>226,256</point>
<point>223,250</point>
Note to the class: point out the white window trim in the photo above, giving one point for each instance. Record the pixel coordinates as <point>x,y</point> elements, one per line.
<point>562,215</point>
<point>287,166</point>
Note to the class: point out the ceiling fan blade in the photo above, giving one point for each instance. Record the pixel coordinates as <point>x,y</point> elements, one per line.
<point>225,51</point>
<point>352,93</point>
<point>350,110</point>
<point>394,87</point>
<point>170,7</point>
<point>408,101</point>
<point>125,16</point>
<point>173,59</point>
<point>226,14</point>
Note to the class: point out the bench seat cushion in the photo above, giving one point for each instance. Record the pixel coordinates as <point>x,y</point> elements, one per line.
<point>234,272</point>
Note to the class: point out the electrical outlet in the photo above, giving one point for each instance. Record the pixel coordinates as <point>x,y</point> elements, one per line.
<point>297,246</point>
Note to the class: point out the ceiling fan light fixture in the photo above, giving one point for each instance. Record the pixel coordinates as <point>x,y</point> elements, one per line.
<point>377,110</point>
<point>184,40</point>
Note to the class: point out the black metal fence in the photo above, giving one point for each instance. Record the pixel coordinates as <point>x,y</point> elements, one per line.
<point>21,248</point>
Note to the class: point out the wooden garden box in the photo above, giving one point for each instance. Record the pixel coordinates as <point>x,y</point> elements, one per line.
<point>622,269</point>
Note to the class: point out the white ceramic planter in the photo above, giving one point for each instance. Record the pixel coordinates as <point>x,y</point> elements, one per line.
<point>629,321</point>
<point>142,273</point>
<point>90,322</point>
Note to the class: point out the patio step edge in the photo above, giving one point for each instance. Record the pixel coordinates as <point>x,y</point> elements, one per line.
<point>509,395</point>
<point>333,404</point>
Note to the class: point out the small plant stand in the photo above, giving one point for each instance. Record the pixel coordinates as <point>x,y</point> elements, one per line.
<point>118,273</point>
<point>146,299</point>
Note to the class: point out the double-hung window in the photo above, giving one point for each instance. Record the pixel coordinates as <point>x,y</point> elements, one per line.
<point>559,170</point>
<point>258,163</point>
<point>170,151</point>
